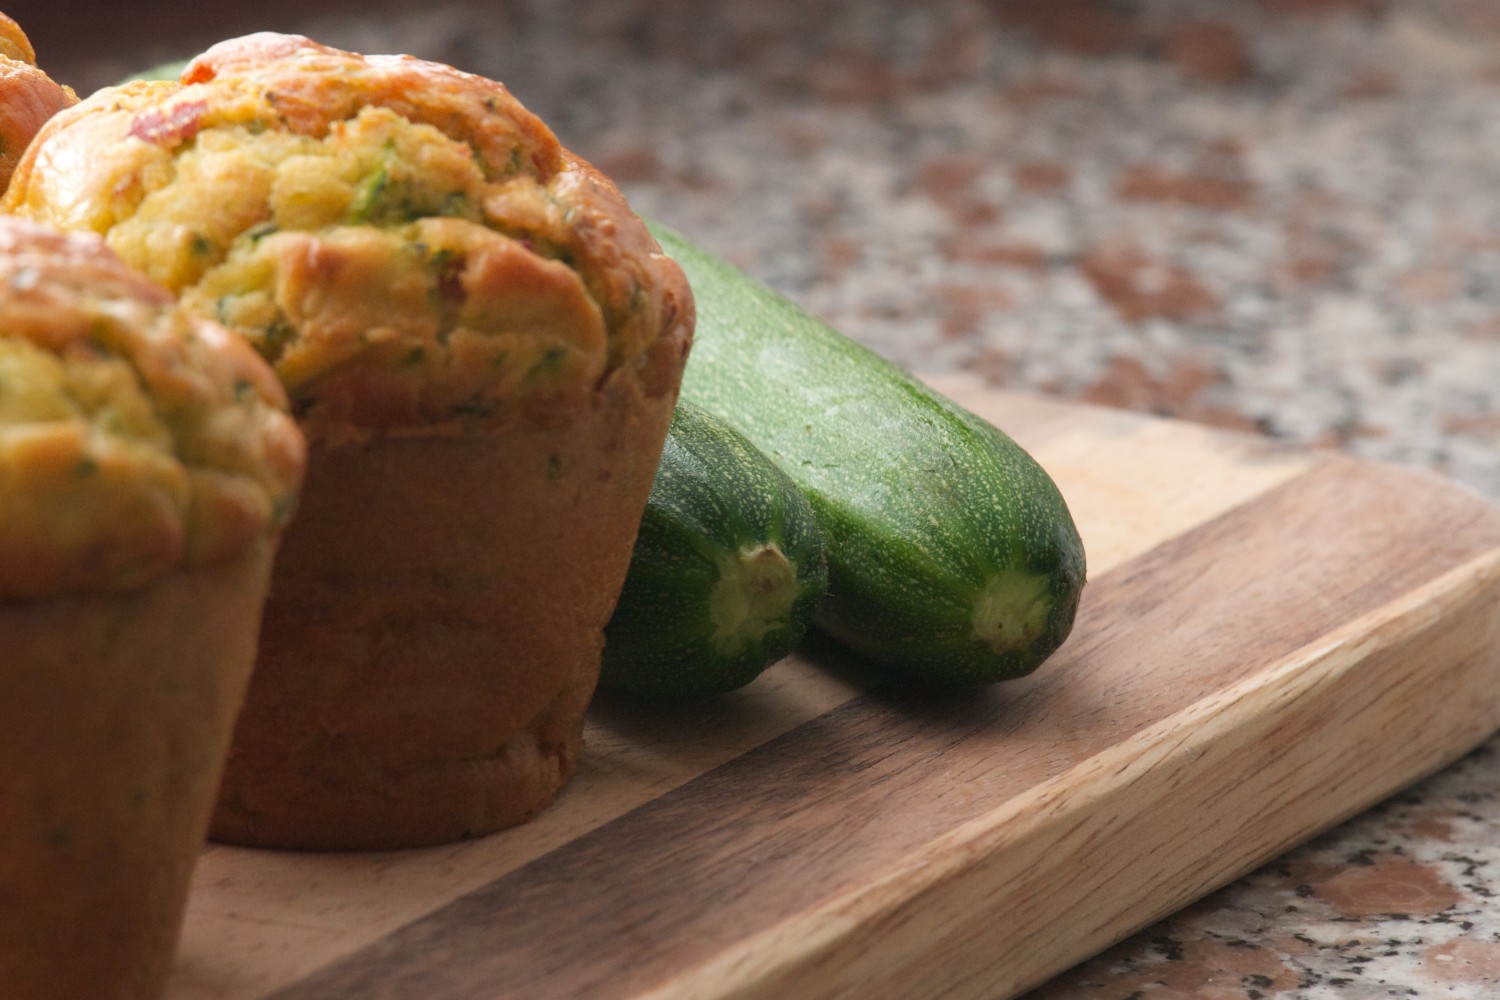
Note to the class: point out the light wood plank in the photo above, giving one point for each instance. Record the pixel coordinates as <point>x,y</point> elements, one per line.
<point>1193,537</point>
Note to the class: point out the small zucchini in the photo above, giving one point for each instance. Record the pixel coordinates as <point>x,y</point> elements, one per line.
<point>161,71</point>
<point>951,553</point>
<point>726,569</point>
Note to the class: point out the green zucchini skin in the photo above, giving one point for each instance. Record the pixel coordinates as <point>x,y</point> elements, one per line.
<point>726,569</point>
<point>162,71</point>
<point>952,556</point>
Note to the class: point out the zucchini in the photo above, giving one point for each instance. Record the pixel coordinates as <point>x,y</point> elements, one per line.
<point>726,569</point>
<point>952,556</point>
<point>161,71</point>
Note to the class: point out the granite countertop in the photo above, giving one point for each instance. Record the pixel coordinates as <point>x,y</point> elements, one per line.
<point>1281,216</point>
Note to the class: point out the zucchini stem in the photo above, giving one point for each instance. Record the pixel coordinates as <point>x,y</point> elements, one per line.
<point>753,595</point>
<point>1012,610</point>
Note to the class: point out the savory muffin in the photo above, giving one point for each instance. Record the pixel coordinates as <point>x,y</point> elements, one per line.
<point>483,344</point>
<point>147,467</point>
<point>28,96</point>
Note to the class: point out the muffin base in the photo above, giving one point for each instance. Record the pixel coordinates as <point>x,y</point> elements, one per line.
<point>115,717</point>
<point>433,631</point>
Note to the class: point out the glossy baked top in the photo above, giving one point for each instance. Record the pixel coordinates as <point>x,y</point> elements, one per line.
<point>28,96</point>
<point>404,242</point>
<point>134,438</point>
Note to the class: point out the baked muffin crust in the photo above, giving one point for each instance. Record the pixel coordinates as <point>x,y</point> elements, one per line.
<point>13,41</point>
<point>134,439</point>
<point>483,345</point>
<point>403,241</point>
<point>28,96</point>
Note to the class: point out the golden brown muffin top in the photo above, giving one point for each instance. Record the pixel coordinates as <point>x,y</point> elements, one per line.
<point>28,97</point>
<point>134,438</point>
<point>13,41</point>
<point>405,242</point>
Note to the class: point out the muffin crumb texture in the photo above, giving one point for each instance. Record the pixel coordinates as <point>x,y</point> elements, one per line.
<point>133,439</point>
<point>404,242</point>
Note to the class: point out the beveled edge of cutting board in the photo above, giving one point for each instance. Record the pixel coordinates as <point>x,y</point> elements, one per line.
<point>1356,677</point>
<point>248,904</point>
<point>918,916</point>
<point>1350,687</point>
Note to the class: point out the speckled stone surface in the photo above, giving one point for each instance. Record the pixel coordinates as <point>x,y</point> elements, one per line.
<point>1280,216</point>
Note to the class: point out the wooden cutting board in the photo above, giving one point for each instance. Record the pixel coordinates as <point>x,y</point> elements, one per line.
<point>1270,642</point>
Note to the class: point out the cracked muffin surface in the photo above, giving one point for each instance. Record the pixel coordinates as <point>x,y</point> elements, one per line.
<point>482,344</point>
<point>404,242</point>
<point>134,438</point>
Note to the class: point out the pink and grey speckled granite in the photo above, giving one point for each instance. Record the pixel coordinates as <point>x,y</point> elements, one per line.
<point>1282,216</point>
<point>1396,903</point>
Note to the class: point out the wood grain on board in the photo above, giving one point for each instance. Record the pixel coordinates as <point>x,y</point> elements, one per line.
<point>1270,641</point>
